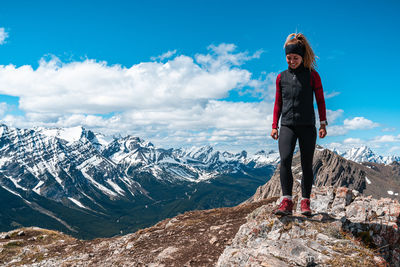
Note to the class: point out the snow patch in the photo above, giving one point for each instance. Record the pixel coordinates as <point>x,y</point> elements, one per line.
<point>116,188</point>
<point>3,160</point>
<point>102,188</point>
<point>70,135</point>
<point>104,140</point>
<point>76,202</point>
<point>59,181</point>
<point>169,160</point>
<point>367,180</point>
<point>15,193</point>
<point>204,177</point>
<point>390,192</point>
<point>15,182</point>
<point>36,189</point>
<point>93,161</point>
<point>181,174</point>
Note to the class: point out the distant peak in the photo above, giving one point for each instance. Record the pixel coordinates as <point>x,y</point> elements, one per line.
<point>134,138</point>
<point>69,134</point>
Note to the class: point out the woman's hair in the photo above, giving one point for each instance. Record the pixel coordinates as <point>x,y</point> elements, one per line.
<point>309,56</point>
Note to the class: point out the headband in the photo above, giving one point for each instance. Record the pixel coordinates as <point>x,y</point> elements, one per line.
<point>297,48</point>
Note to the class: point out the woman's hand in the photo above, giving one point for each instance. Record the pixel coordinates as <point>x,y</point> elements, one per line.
<point>274,134</point>
<point>322,131</point>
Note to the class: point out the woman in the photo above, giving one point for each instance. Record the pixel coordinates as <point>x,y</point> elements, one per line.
<point>295,88</point>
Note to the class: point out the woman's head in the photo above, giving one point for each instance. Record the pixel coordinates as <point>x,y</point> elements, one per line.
<point>298,50</point>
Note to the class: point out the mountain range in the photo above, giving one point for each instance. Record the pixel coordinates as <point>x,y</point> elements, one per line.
<point>90,185</point>
<point>365,154</point>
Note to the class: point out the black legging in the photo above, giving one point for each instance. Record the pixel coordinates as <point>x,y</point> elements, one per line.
<point>288,136</point>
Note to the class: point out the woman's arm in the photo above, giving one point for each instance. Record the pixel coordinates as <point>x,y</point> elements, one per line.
<point>277,108</point>
<point>319,96</point>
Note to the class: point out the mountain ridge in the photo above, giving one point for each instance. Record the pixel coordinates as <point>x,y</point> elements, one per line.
<point>365,154</point>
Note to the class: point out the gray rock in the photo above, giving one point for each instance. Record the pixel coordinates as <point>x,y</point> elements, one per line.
<point>5,236</point>
<point>21,233</point>
<point>319,240</point>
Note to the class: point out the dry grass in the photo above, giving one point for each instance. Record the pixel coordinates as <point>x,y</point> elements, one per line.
<point>13,244</point>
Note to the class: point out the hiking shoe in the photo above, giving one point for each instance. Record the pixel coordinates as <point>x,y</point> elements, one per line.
<point>305,207</point>
<point>285,208</point>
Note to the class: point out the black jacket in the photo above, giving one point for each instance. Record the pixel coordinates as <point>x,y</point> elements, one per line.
<point>297,97</point>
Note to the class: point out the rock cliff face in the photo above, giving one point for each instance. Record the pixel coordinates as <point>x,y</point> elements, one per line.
<point>330,169</point>
<point>347,229</point>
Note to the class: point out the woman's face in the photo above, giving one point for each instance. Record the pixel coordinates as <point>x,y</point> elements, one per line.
<point>293,60</point>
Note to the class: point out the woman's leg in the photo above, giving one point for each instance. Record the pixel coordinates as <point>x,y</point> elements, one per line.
<point>287,142</point>
<point>307,138</point>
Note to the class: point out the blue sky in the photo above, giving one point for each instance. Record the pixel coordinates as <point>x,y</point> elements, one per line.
<point>182,73</point>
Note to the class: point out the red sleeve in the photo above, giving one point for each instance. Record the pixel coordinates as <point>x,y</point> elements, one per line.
<point>278,103</point>
<point>319,95</point>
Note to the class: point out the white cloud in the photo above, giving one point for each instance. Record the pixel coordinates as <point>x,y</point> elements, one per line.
<point>222,56</point>
<point>386,139</point>
<point>331,95</point>
<point>336,130</point>
<point>3,36</point>
<point>353,141</point>
<point>96,88</point>
<point>3,108</point>
<point>359,123</point>
<point>336,147</point>
<point>394,148</point>
<point>165,55</point>
<point>332,115</point>
<point>170,102</point>
<point>388,129</point>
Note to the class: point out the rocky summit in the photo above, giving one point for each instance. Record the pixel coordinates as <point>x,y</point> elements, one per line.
<point>346,229</point>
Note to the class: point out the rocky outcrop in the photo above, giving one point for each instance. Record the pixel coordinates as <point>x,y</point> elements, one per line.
<point>347,229</point>
<point>330,169</point>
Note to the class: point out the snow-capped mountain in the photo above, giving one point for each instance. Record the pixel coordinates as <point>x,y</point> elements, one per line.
<point>195,164</point>
<point>262,158</point>
<point>365,154</point>
<point>58,164</point>
<point>88,171</point>
<point>48,156</point>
